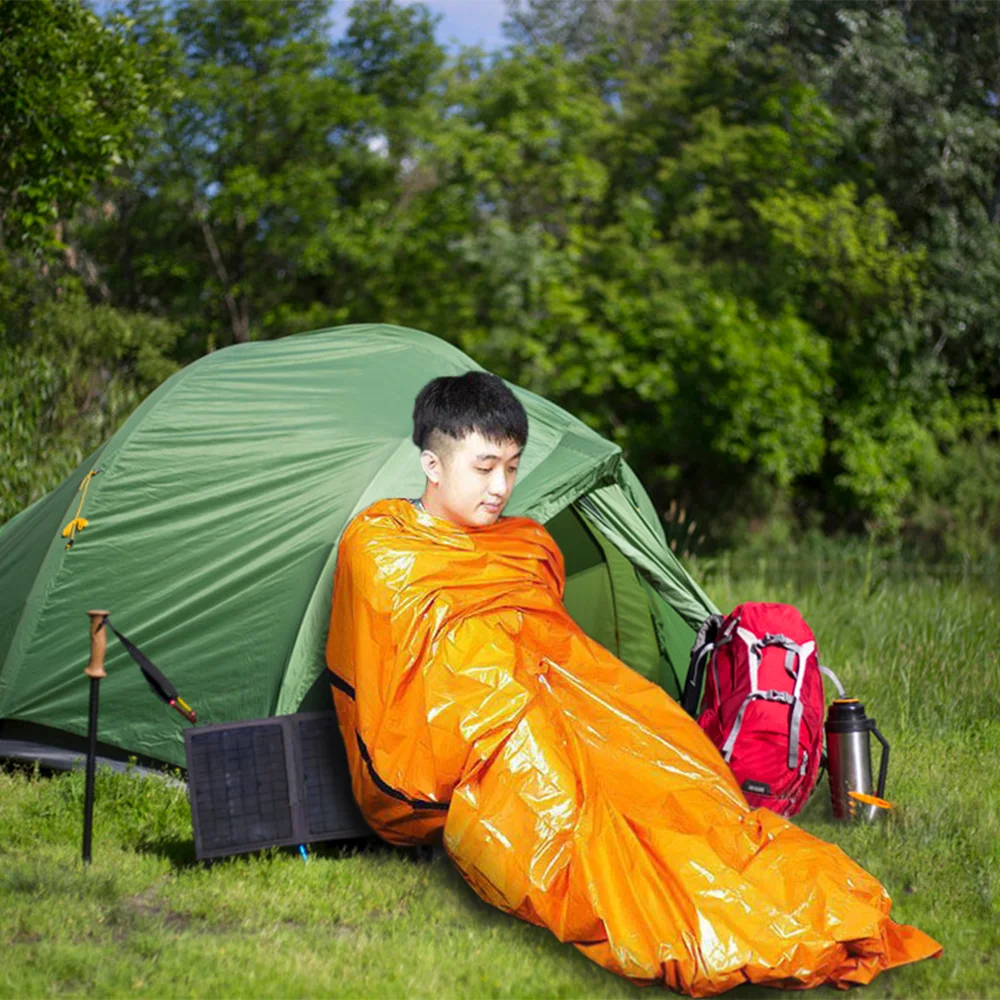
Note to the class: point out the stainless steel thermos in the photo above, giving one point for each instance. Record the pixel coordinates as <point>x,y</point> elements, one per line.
<point>848,742</point>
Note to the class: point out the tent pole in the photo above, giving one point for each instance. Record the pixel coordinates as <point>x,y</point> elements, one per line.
<point>95,671</point>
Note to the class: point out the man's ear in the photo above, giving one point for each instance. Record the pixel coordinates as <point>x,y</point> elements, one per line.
<point>431,465</point>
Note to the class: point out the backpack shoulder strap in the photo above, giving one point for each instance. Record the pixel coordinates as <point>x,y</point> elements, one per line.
<point>704,643</point>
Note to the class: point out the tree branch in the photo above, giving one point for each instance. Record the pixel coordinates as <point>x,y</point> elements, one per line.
<point>238,318</point>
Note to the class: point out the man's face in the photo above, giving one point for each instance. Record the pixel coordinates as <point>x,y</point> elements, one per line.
<point>470,481</point>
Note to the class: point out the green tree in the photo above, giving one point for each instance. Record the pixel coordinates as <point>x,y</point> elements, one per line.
<point>729,283</point>
<point>74,95</point>
<point>915,90</point>
<point>259,207</point>
<point>390,53</point>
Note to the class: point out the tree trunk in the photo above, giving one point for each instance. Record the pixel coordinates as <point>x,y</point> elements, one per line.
<point>239,313</point>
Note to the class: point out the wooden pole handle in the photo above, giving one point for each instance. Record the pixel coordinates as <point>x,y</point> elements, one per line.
<point>98,645</point>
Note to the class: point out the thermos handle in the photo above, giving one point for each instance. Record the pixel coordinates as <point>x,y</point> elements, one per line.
<point>884,765</point>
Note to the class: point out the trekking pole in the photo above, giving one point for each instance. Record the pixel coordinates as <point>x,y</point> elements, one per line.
<point>95,671</point>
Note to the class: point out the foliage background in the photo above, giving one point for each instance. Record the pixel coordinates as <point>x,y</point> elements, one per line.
<point>755,243</point>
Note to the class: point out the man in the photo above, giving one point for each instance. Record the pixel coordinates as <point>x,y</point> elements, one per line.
<point>471,431</point>
<point>569,790</point>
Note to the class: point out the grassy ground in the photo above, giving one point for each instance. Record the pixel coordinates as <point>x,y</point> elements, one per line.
<point>146,918</point>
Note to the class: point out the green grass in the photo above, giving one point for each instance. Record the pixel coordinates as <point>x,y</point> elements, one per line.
<point>145,918</point>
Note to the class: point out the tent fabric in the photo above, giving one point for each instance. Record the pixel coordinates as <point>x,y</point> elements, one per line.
<point>569,790</point>
<point>604,590</point>
<point>589,597</point>
<point>214,522</point>
<point>636,644</point>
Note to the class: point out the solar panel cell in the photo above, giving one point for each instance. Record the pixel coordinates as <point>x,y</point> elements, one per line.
<point>269,782</point>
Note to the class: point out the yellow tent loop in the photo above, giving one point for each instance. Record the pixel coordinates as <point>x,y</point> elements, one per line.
<point>79,523</point>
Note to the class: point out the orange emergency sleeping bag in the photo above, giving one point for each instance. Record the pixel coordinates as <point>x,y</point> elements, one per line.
<point>572,792</point>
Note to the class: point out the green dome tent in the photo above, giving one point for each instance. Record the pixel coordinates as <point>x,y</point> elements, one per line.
<point>213,522</point>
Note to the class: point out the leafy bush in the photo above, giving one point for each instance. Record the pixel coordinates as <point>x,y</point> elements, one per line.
<point>955,509</point>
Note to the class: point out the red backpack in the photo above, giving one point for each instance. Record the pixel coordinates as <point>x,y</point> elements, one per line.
<point>764,701</point>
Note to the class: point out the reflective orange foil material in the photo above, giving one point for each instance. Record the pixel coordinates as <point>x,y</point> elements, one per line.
<point>570,791</point>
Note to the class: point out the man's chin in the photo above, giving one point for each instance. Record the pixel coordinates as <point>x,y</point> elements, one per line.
<point>485,516</point>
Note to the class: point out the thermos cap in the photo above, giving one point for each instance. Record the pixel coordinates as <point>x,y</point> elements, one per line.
<point>847,715</point>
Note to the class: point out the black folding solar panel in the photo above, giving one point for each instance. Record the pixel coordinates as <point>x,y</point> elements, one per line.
<point>268,783</point>
<point>328,803</point>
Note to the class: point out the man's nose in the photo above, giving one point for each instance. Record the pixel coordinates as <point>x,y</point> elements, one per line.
<point>498,483</point>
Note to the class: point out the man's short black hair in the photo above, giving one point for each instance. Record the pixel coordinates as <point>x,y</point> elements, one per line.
<point>463,404</point>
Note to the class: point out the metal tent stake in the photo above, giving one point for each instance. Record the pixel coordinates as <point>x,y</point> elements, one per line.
<point>95,671</point>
